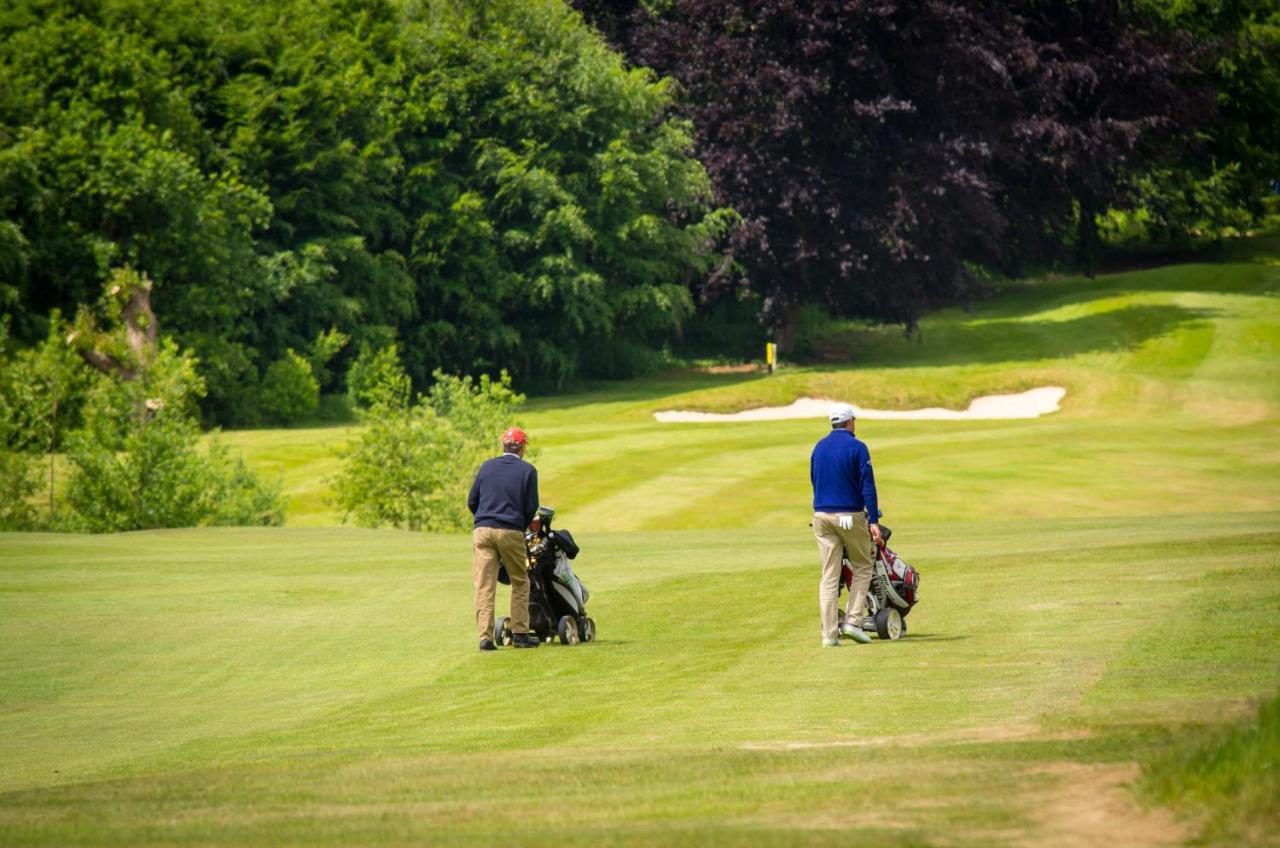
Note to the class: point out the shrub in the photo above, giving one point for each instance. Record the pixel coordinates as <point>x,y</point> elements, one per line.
<point>377,377</point>
<point>407,470</point>
<point>41,392</point>
<point>137,464</point>
<point>412,465</point>
<point>18,483</point>
<point>290,392</point>
<point>157,479</point>
<point>478,409</point>
<point>237,497</point>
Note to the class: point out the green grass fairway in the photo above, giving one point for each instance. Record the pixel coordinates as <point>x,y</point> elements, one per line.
<point>1101,591</point>
<point>233,687</point>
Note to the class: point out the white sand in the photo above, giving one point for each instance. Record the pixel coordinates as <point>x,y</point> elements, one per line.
<point>1029,404</point>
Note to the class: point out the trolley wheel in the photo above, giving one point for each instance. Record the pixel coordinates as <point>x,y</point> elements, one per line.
<point>502,631</point>
<point>568,630</point>
<point>587,629</point>
<point>889,623</point>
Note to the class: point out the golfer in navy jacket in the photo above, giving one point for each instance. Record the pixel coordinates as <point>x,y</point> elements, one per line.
<point>503,499</point>
<point>845,518</point>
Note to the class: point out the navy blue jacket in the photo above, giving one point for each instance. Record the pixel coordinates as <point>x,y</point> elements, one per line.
<point>505,493</point>
<point>840,470</point>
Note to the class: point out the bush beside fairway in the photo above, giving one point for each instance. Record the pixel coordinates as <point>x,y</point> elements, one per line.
<point>1092,581</point>
<point>254,687</point>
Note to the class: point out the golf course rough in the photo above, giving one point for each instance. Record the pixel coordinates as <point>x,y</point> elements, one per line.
<point>1096,584</point>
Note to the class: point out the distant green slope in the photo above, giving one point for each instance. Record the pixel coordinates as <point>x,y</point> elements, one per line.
<point>1173,406</point>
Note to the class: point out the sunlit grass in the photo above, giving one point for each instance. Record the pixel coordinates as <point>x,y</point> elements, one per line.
<point>254,686</point>
<point>1096,582</point>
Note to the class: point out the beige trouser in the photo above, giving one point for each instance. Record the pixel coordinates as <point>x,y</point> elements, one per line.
<point>490,548</point>
<point>831,541</point>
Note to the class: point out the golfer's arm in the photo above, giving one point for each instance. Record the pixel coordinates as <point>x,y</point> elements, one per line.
<point>869,497</point>
<point>531,498</point>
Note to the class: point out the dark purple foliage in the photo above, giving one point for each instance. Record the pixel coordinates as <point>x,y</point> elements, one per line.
<point>876,148</point>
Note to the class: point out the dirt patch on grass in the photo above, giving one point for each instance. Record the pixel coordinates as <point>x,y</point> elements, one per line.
<point>1090,804</point>
<point>744,368</point>
<point>976,735</point>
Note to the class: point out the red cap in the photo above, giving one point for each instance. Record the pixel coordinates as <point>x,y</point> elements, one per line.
<point>515,436</point>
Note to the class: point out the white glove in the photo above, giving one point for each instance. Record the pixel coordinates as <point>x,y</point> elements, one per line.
<point>846,522</point>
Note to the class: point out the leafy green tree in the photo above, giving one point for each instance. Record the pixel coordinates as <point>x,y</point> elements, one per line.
<point>559,210</point>
<point>19,482</point>
<point>18,474</point>
<point>485,182</point>
<point>377,378</point>
<point>105,162</point>
<point>1218,183</point>
<point>413,463</point>
<point>41,392</point>
<point>136,461</point>
<point>290,392</point>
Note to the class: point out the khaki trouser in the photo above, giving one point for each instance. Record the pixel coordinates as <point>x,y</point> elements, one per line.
<point>857,542</point>
<point>492,547</point>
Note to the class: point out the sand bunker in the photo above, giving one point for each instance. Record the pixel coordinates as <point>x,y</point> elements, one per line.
<point>1029,404</point>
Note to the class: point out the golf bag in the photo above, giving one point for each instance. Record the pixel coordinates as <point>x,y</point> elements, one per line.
<point>557,598</point>
<point>894,590</point>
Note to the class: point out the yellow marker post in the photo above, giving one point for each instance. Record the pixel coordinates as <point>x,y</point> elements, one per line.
<point>770,355</point>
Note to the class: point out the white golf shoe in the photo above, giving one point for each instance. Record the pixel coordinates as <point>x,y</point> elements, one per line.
<point>855,633</point>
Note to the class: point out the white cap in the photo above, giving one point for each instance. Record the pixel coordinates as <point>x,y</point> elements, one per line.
<point>840,413</point>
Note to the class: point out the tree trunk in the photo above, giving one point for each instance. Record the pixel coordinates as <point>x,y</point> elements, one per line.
<point>786,330</point>
<point>53,441</point>
<point>1088,242</point>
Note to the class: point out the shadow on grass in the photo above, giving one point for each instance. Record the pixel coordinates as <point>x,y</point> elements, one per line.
<point>976,341</point>
<point>639,391</point>
<point>986,341</point>
<point>996,333</point>
<point>1022,297</point>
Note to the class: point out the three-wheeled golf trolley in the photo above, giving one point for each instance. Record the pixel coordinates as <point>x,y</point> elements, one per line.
<point>557,598</point>
<point>894,590</point>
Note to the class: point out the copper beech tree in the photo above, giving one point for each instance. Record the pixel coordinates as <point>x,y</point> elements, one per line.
<point>877,150</point>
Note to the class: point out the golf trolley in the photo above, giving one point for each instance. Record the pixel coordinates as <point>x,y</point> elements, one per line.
<point>557,598</point>
<point>894,590</point>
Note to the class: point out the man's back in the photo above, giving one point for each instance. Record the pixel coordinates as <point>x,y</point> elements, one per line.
<point>840,470</point>
<point>505,493</point>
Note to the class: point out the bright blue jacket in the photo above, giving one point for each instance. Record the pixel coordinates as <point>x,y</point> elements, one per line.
<point>840,470</point>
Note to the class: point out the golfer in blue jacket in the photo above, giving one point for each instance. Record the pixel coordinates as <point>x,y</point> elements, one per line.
<point>845,517</point>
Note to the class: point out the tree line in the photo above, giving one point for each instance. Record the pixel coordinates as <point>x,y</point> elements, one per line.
<point>218,212</point>
<point>485,184</point>
<point>493,185</point>
<point>887,157</point>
